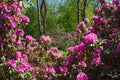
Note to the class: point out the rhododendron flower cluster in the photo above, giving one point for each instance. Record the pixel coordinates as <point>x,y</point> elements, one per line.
<point>82,76</point>
<point>58,55</point>
<point>45,38</point>
<point>90,38</point>
<point>25,19</point>
<point>12,63</point>
<point>29,38</point>
<point>63,69</point>
<point>82,64</point>
<point>78,28</point>
<point>20,32</point>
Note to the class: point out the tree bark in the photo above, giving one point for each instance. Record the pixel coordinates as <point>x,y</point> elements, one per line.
<point>39,21</point>
<point>84,9</point>
<point>43,11</point>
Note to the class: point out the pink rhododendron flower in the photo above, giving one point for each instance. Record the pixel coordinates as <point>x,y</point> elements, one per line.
<point>54,48</point>
<point>63,69</point>
<point>25,19</point>
<point>82,76</point>
<point>96,61</point>
<point>20,32</point>
<point>71,49</point>
<point>58,55</point>
<point>20,68</point>
<point>29,38</point>
<point>14,36</point>
<point>29,47</point>
<point>89,30</point>
<point>50,70</point>
<point>17,54</point>
<point>97,9</point>
<point>29,67</point>
<point>90,38</point>
<point>12,24</point>
<point>19,42</point>
<point>12,63</point>
<point>13,6</point>
<point>24,66</point>
<point>49,52</point>
<point>79,55</point>
<point>24,55</point>
<point>69,61</point>
<point>79,25</point>
<point>80,47</point>
<point>34,73</point>
<point>86,20</point>
<point>82,64</point>
<point>97,53</point>
<point>45,38</point>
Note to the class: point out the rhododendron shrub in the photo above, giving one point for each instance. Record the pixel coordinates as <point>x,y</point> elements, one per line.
<point>14,55</point>
<point>96,56</point>
<point>23,57</point>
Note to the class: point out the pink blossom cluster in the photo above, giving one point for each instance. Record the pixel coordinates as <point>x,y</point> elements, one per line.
<point>20,32</point>
<point>63,69</point>
<point>96,57</point>
<point>29,38</point>
<point>21,65</point>
<point>82,76</point>
<point>45,38</point>
<point>78,28</point>
<point>90,38</point>
<point>82,64</point>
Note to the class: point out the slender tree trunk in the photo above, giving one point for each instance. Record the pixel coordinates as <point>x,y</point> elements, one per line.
<point>78,11</point>
<point>44,20</point>
<point>39,21</point>
<point>84,8</point>
<point>43,11</point>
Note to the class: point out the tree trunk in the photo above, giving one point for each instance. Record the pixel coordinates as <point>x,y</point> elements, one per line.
<point>84,9</point>
<point>43,11</point>
<point>39,21</point>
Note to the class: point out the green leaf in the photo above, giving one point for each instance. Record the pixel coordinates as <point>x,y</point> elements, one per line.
<point>3,58</point>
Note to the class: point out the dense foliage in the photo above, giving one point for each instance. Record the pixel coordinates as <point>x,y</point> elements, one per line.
<point>95,57</point>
